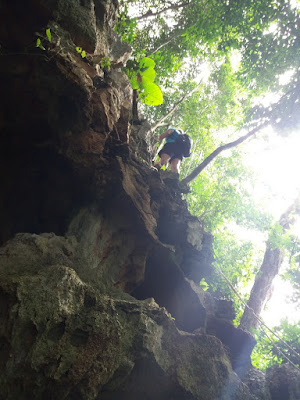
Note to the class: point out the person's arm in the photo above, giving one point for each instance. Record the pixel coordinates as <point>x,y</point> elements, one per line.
<point>166,134</point>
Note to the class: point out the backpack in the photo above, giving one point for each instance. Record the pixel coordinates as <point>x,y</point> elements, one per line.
<point>186,144</point>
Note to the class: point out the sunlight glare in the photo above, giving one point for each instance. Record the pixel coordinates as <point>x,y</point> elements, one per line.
<point>285,78</point>
<point>276,163</point>
<point>235,59</point>
<point>279,308</point>
<point>295,4</point>
<point>271,29</point>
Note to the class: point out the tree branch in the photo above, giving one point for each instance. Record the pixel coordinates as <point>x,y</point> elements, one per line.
<point>173,7</point>
<point>174,108</point>
<point>166,43</point>
<point>193,175</point>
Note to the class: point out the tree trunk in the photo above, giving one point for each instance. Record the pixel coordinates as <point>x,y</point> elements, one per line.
<point>261,290</point>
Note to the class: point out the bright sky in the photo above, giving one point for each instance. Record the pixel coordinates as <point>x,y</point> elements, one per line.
<point>276,162</point>
<point>279,307</point>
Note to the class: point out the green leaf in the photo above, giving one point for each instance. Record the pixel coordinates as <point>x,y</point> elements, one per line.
<point>149,73</point>
<point>48,33</point>
<point>152,95</point>
<point>83,54</point>
<point>79,49</point>
<point>134,82</point>
<point>146,62</point>
<point>145,83</point>
<point>39,44</point>
<point>204,285</point>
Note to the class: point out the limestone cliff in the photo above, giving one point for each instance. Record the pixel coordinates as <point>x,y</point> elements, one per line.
<point>100,259</point>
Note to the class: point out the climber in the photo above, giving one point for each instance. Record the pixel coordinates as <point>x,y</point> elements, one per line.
<point>178,145</point>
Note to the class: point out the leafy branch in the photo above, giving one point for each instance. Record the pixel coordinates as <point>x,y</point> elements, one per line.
<point>141,75</point>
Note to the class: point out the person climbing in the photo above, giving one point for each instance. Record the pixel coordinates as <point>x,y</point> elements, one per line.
<point>178,145</point>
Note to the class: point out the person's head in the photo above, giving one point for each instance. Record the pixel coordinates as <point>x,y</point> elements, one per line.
<point>181,132</point>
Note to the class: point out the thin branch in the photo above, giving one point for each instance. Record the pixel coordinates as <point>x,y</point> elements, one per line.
<point>174,108</point>
<point>166,123</point>
<point>173,7</point>
<point>193,175</point>
<point>166,43</point>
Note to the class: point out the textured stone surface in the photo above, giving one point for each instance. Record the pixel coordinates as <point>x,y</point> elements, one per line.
<point>62,338</point>
<point>283,382</point>
<point>143,142</point>
<point>59,149</point>
<point>240,343</point>
<point>257,384</point>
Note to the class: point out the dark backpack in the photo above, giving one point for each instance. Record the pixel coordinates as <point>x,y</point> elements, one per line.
<point>186,144</point>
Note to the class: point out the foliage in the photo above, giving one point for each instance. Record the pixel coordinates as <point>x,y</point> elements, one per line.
<point>48,33</point>
<point>39,41</point>
<point>239,261</point>
<point>263,34</point>
<point>265,353</point>
<point>224,193</point>
<point>293,273</point>
<point>105,63</point>
<point>222,197</point>
<point>126,26</point>
<point>39,44</point>
<point>81,51</point>
<point>279,238</point>
<point>204,285</point>
<point>141,75</point>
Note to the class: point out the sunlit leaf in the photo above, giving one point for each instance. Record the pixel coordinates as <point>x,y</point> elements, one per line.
<point>48,33</point>
<point>39,44</point>
<point>204,285</point>
<point>147,62</point>
<point>134,82</point>
<point>149,73</point>
<point>152,95</point>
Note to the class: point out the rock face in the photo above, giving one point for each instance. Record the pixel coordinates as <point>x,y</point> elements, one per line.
<point>63,338</point>
<point>100,259</point>
<point>284,382</point>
